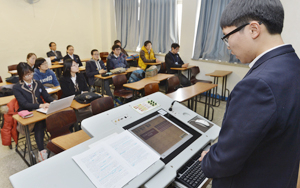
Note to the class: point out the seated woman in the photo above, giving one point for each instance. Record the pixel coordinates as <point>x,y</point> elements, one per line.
<point>71,55</point>
<point>147,55</point>
<point>28,93</point>
<point>31,57</point>
<point>72,82</point>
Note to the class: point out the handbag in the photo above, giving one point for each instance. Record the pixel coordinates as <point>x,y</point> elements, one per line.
<point>86,98</point>
<point>6,92</point>
<point>12,79</point>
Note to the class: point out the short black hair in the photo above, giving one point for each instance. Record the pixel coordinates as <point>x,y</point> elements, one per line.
<point>51,43</point>
<point>175,45</point>
<point>67,67</point>
<point>115,47</point>
<point>94,50</point>
<point>239,12</point>
<point>23,69</point>
<point>117,41</point>
<point>147,42</point>
<point>38,62</point>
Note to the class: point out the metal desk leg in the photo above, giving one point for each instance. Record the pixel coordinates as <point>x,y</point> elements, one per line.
<point>215,93</point>
<point>76,126</point>
<point>30,152</point>
<point>205,104</point>
<point>210,106</point>
<point>179,75</point>
<point>102,86</point>
<point>196,101</point>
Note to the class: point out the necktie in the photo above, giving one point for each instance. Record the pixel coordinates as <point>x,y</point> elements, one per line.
<point>55,53</point>
<point>29,86</point>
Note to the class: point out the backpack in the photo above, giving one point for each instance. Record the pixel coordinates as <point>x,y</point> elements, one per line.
<point>86,98</point>
<point>136,75</point>
<point>151,71</point>
<point>6,92</point>
<point>12,79</point>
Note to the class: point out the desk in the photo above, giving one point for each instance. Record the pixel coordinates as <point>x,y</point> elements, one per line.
<point>183,69</point>
<point>82,68</point>
<point>13,72</point>
<point>129,70</point>
<point>85,60</point>
<point>186,93</point>
<point>37,116</point>
<point>70,140</point>
<point>6,100</point>
<point>136,86</point>
<point>216,74</point>
<point>56,69</point>
<point>65,172</point>
<point>5,83</point>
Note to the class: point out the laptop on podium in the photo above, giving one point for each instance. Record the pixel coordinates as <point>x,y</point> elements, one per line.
<point>57,105</point>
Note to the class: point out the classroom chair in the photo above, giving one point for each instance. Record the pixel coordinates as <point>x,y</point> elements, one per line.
<point>151,88</point>
<point>12,67</point>
<point>194,72</point>
<point>58,125</point>
<point>173,84</point>
<point>1,80</point>
<point>163,68</point>
<point>119,90</point>
<point>101,105</point>
<point>102,54</point>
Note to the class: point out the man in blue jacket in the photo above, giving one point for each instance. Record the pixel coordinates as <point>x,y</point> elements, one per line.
<point>259,142</point>
<point>43,74</point>
<point>115,59</point>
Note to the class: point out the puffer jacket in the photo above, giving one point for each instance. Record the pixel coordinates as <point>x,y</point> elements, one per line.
<point>10,124</point>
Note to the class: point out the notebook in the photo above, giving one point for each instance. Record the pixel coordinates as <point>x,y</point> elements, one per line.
<point>57,105</point>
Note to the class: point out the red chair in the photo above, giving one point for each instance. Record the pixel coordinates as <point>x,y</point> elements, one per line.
<point>173,84</point>
<point>195,71</point>
<point>103,56</point>
<point>120,91</point>
<point>151,88</point>
<point>101,105</point>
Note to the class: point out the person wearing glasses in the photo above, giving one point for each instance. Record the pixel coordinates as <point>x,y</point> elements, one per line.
<point>28,93</point>
<point>147,55</point>
<point>93,67</point>
<point>72,82</point>
<point>44,74</point>
<point>258,145</point>
<point>116,59</point>
<point>53,54</point>
<point>31,57</point>
<point>71,55</point>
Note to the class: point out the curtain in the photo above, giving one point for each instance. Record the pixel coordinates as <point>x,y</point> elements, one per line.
<point>208,43</point>
<point>158,23</point>
<point>127,23</point>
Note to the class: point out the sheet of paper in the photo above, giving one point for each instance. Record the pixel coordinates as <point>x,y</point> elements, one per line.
<point>50,90</point>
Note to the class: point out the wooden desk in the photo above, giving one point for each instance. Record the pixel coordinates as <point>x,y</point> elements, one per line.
<point>153,63</point>
<point>6,100</point>
<point>57,69</point>
<point>57,63</point>
<point>161,76</point>
<point>82,68</point>
<point>37,116</point>
<point>5,83</point>
<point>52,90</point>
<point>136,86</point>
<point>183,69</point>
<point>85,60</point>
<point>129,70</point>
<point>70,140</point>
<point>186,93</point>
<point>216,74</point>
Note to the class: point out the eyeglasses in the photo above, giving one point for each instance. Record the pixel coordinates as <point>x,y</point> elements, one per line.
<point>28,75</point>
<point>225,38</point>
<point>96,54</point>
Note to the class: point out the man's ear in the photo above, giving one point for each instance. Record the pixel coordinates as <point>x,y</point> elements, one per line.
<point>255,29</point>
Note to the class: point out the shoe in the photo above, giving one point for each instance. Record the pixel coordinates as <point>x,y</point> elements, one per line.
<point>42,155</point>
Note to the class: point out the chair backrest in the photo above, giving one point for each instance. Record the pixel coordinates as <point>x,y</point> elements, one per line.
<point>173,84</point>
<point>12,67</point>
<point>151,88</point>
<point>102,54</point>
<point>101,105</point>
<point>118,81</point>
<point>163,68</point>
<point>1,80</point>
<point>194,71</point>
<point>58,124</point>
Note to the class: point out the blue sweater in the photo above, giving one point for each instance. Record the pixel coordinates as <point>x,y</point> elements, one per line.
<point>45,78</point>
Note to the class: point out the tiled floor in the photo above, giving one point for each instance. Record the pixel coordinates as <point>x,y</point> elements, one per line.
<point>11,162</point>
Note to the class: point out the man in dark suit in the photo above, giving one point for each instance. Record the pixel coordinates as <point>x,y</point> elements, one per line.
<point>53,54</point>
<point>259,142</point>
<point>93,67</point>
<point>71,55</point>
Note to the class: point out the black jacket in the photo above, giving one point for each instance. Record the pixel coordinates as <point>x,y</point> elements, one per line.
<point>58,57</point>
<point>25,98</point>
<point>170,60</point>
<point>76,59</point>
<point>68,88</point>
<point>91,70</point>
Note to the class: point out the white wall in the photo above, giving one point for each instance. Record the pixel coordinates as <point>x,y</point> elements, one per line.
<point>85,24</point>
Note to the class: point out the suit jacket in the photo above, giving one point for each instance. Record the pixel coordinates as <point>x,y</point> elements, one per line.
<point>58,57</point>
<point>170,60</point>
<point>76,59</point>
<point>91,70</point>
<point>25,98</point>
<point>68,88</point>
<point>259,142</point>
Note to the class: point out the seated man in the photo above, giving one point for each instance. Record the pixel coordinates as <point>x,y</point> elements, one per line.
<point>93,67</point>
<point>123,51</point>
<point>173,60</point>
<point>53,54</point>
<point>71,55</point>
<point>147,55</point>
<point>115,59</point>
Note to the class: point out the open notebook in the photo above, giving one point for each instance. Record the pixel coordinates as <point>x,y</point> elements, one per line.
<point>57,105</point>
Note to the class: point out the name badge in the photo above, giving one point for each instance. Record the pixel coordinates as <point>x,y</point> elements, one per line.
<point>40,90</point>
<point>176,63</point>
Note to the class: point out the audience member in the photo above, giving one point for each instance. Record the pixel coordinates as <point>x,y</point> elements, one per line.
<point>28,93</point>
<point>115,59</point>
<point>31,57</point>
<point>117,42</point>
<point>173,60</point>
<point>53,54</point>
<point>147,55</point>
<point>71,55</point>
<point>43,74</point>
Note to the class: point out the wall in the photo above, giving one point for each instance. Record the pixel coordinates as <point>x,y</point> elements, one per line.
<point>29,28</point>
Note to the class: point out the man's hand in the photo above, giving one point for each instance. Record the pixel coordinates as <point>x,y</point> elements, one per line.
<point>157,61</point>
<point>203,154</point>
<point>45,105</point>
<point>102,71</point>
<point>52,57</point>
<point>185,65</point>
